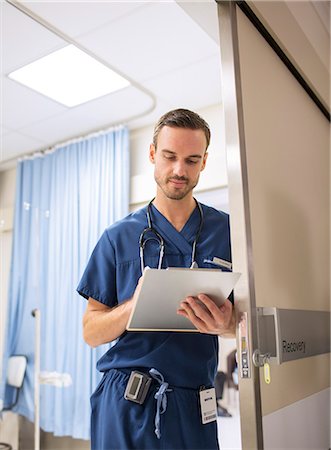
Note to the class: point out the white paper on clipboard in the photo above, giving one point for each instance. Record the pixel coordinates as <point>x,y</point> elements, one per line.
<point>163,290</point>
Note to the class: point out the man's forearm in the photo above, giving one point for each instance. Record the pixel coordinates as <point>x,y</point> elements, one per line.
<point>103,324</point>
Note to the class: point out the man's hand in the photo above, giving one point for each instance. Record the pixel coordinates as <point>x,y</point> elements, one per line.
<point>208,317</point>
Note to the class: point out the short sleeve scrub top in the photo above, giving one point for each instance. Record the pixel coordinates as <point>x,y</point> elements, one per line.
<point>184,362</point>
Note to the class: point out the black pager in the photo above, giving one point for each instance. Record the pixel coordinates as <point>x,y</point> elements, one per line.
<point>137,387</point>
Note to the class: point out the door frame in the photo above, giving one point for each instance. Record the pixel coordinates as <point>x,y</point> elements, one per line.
<point>249,387</point>
<point>241,233</point>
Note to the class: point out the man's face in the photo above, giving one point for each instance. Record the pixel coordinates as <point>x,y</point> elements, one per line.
<point>179,158</point>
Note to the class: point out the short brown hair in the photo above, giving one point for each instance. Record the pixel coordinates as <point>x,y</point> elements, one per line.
<point>182,118</point>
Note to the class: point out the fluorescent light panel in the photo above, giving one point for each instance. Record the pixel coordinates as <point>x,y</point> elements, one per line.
<point>69,76</point>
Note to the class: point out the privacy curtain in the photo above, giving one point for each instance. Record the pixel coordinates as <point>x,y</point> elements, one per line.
<point>64,201</point>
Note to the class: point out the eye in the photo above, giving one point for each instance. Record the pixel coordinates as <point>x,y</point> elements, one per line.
<point>169,157</point>
<point>192,161</point>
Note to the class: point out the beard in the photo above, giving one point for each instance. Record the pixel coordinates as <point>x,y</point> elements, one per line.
<point>173,192</point>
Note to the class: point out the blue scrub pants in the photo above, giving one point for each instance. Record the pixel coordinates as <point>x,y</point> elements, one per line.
<point>119,424</point>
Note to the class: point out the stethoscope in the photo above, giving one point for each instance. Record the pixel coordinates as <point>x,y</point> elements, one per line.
<point>159,239</point>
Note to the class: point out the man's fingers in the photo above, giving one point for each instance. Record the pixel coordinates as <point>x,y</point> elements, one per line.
<point>205,315</point>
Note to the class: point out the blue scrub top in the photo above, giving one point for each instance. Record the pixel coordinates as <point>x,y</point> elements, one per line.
<point>111,276</point>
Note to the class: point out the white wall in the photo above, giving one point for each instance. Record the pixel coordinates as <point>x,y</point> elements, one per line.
<point>303,424</point>
<point>7,192</point>
<point>9,424</point>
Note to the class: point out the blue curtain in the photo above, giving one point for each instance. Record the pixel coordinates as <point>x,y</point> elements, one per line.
<point>64,201</point>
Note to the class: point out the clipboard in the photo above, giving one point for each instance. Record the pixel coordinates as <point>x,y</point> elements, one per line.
<point>162,291</point>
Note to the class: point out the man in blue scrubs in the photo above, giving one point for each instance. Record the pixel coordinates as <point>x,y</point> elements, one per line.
<point>180,366</point>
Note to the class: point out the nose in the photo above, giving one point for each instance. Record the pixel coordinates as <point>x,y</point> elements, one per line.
<point>179,169</point>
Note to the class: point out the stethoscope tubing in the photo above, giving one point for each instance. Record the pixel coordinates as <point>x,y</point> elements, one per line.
<point>157,237</point>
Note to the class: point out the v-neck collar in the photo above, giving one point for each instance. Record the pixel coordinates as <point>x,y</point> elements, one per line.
<point>181,239</point>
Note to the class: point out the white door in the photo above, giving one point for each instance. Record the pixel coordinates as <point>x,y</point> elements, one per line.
<point>278,149</point>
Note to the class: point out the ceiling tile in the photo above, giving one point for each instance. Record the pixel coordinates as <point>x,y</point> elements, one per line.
<point>205,14</point>
<point>16,144</point>
<point>147,41</point>
<point>75,18</point>
<point>150,118</point>
<point>193,86</point>
<point>4,130</point>
<point>23,106</point>
<point>150,41</point>
<point>98,114</point>
<point>23,39</point>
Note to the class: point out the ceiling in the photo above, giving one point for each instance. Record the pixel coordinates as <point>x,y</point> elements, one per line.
<point>169,50</point>
<point>165,54</point>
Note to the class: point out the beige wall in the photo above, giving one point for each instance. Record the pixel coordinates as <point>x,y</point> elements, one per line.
<point>288,160</point>
<point>279,189</point>
<point>298,29</point>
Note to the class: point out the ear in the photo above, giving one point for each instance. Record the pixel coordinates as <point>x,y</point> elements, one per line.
<point>204,160</point>
<point>152,151</point>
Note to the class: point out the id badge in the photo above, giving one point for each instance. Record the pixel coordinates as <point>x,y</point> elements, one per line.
<point>208,405</point>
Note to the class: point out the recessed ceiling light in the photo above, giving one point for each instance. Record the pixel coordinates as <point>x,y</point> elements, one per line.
<point>69,76</point>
